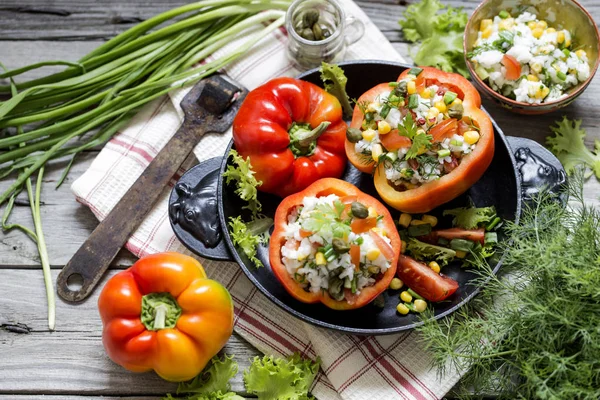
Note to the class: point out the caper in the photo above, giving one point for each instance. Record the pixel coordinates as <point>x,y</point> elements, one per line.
<point>340,246</point>
<point>373,269</point>
<point>359,210</point>
<point>401,89</point>
<point>335,288</point>
<point>326,33</point>
<point>456,110</point>
<point>353,135</point>
<point>318,32</point>
<point>307,34</point>
<point>310,17</point>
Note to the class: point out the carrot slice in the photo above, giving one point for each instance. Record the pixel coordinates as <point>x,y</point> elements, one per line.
<point>305,234</point>
<point>355,256</point>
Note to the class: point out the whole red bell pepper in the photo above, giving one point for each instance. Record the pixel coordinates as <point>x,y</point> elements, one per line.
<point>462,176</point>
<point>163,314</point>
<point>348,193</point>
<point>294,134</point>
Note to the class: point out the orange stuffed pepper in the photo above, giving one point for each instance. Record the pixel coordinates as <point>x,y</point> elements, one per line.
<point>424,137</point>
<point>164,314</point>
<point>334,244</point>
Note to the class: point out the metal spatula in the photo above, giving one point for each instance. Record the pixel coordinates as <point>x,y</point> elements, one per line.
<point>209,108</point>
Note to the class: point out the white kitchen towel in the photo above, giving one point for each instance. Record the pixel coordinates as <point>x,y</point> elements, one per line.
<point>353,367</point>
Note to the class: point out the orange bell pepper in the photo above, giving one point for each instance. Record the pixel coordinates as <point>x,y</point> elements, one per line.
<point>325,187</point>
<point>432,194</point>
<point>163,314</point>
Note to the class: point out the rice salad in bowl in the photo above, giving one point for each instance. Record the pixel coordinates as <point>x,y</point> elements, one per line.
<point>333,243</point>
<point>525,59</point>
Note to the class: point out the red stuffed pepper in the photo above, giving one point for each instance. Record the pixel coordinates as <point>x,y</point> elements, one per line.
<point>294,134</point>
<point>334,244</point>
<point>427,135</point>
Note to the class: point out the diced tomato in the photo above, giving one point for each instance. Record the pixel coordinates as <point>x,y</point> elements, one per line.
<point>420,278</point>
<point>463,127</point>
<point>350,297</point>
<point>305,234</point>
<point>413,163</point>
<point>450,166</point>
<point>420,83</point>
<point>363,225</point>
<point>444,129</point>
<point>393,141</point>
<point>513,67</point>
<point>355,256</point>
<point>382,245</point>
<point>475,235</point>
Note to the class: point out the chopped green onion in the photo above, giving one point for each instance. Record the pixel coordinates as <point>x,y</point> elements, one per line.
<point>413,101</point>
<point>385,110</point>
<point>359,240</point>
<point>561,75</point>
<point>503,14</point>
<point>566,52</point>
<point>393,98</point>
<point>415,71</point>
<point>353,285</point>
<point>493,224</point>
<point>393,84</point>
<point>414,294</point>
<point>369,116</point>
<point>456,142</point>
<point>443,153</point>
<point>490,237</point>
<point>449,97</point>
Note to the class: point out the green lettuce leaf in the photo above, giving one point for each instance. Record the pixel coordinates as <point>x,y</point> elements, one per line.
<point>289,378</point>
<point>334,81</point>
<point>426,252</point>
<point>471,217</point>
<point>440,34</point>
<point>248,236</point>
<point>569,146</point>
<point>246,183</point>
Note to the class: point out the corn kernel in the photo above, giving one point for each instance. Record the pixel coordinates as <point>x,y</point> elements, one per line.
<point>456,101</point>
<point>542,24</point>
<point>485,23</point>
<point>420,305</point>
<point>405,296</point>
<point>550,30</point>
<point>560,36</point>
<point>580,53</point>
<point>567,39</point>
<point>411,87</point>
<point>487,33</point>
<point>373,254</point>
<point>368,135</point>
<point>531,25</point>
<point>372,212</point>
<point>461,254</point>
<point>379,231</point>
<point>320,259</point>
<point>536,67</point>
<point>403,247</point>
<point>417,222</point>
<point>383,127</point>
<point>537,32</point>
<point>301,257</point>
<point>376,151</point>
<point>402,309</point>
<point>556,67</point>
<point>506,24</point>
<point>471,137</point>
<point>404,219</point>
<point>426,94</point>
<point>429,219</point>
<point>396,284</point>
<point>373,107</point>
<point>435,267</point>
<point>533,78</point>
<point>441,106</point>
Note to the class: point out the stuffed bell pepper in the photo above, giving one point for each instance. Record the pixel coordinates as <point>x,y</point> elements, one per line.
<point>293,133</point>
<point>425,138</point>
<point>164,314</point>
<point>334,244</point>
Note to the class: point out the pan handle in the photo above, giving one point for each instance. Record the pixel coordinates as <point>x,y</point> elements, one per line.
<point>538,168</point>
<point>194,211</point>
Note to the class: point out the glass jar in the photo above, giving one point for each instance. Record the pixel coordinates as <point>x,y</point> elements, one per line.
<point>341,31</point>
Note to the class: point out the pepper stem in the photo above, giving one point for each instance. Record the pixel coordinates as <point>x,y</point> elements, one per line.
<point>159,311</point>
<point>302,139</point>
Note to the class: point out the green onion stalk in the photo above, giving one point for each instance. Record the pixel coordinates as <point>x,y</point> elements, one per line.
<point>84,105</point>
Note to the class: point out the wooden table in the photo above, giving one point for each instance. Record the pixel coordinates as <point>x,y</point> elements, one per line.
<point>70,362</point>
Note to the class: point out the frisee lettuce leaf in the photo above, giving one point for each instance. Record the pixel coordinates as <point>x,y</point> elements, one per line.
<point>247,236</point>
<point>568,145</point>
<point>289,378</point>
<point>241,172</point>
<point>471,217</point>
<point>334,82</point>
<point>424,251</point>
<point>440,34</point>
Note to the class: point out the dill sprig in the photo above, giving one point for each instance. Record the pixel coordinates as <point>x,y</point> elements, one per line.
<point>533,331</point>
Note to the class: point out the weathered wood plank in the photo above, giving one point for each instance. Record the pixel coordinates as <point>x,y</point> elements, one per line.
<point>70,360</point>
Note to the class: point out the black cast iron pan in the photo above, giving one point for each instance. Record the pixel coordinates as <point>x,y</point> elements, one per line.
<point>201,201</point>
